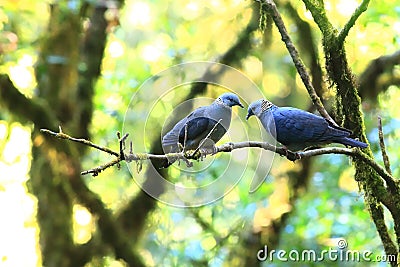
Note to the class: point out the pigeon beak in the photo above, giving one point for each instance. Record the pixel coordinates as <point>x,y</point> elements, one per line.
<point>249,113</point>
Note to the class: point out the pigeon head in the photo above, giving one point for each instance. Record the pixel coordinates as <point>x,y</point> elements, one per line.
<point>230,100</point>
<point>258,107</point>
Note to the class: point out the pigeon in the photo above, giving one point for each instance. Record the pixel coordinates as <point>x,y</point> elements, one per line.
<point>297,129</point>
<point>209,122</point>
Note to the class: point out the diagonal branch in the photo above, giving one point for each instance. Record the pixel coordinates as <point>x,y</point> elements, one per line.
<point>370,84</point>
<point>208,136</point>
<point>385,156</point>
<point>111,232</point>
<point>357,13</point>
<point>378,216</point>
<point>32,110</point>
<point>62,135</point>
<point>301,69</point>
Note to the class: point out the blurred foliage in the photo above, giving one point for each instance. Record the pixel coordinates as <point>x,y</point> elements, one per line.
<point>151,37</point>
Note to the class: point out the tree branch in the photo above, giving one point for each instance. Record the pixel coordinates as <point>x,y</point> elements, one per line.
<point>301,69</point>
<point>357,13</point>
<point>91,56</point>
<point>318,12</point>
<point>385,156</point>
<point>378,217</point>
<point>61,135</point>
<point>111,232</point>
<point>227,147</point>
<point>309,49</point>
<point>208,136</point>
<point>369,83</point>
<point>32,110</point>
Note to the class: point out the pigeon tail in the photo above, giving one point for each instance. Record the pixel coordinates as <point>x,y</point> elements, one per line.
<point>352,142</point>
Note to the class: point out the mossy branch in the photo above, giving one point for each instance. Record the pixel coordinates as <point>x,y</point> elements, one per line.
<point>317,10</point>
<point>357,13</point>
<point>341,76</point>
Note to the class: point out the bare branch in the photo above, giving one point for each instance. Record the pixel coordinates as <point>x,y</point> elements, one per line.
<point>301,69</point>
<point>185,139</point>
<point>122,144</point>
<point>99,169</point>
<point>62,135</point>
<point>208,136</point>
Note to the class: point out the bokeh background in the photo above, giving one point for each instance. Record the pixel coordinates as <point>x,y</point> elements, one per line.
<point>78,63</point>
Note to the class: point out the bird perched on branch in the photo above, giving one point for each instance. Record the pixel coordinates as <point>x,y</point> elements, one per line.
<point>297,129</point>
<point>208,122</point>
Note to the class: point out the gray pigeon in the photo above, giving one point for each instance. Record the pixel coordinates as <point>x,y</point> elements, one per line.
<point>297,129</point>
<point>191,130</point>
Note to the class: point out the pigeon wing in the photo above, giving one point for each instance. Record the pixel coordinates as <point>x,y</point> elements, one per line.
<point>196,124</point>
<point>296,126</point>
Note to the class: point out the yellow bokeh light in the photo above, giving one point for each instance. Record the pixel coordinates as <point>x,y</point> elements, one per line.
<point>328,6</point>
<point>346,7</point>
<point>3,130</point>
<point>116,49</point>
<point>26,61</point>
<point>192,6</point>
<point>363,49</point>
<point>139,14</point>
<point>208,243</point>
<point>152,53</point>
<point>81,215</point>
<point>83,224</point>
<point>308,15</point>
<point>396,27</point>
<point>17,145</point>
<point>18,229</point>
<point>22,76</point>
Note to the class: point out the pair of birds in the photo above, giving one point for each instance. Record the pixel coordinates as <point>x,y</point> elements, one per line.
<point>294,128</point>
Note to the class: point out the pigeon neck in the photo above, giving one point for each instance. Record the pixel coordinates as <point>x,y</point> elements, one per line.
<point>266,105</point>
<point>219,102</point>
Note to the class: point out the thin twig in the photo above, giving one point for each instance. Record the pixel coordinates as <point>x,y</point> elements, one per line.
<point>185,139</point>
<point>357,13</point>
<point>99,169</point>
<point>62,135</point>
<point>122,144</point>
<point>385,156</point>
<point>301,69</point>
<point>208,136</point>
<point>391,184</point>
